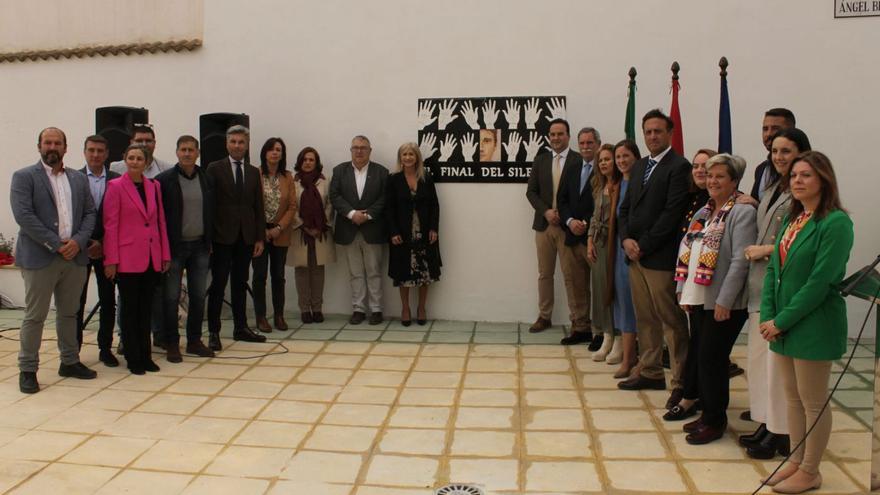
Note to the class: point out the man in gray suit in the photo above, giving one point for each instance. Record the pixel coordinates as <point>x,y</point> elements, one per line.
<point>357,192</point>
<point>56,214</point>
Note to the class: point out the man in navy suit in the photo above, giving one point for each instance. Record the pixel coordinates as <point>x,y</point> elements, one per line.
<point>96,151</point>
<point>53,207</point>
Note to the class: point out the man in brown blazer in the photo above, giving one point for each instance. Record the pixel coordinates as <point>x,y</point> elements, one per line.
<point>544,183</point>
<point>237,234</point>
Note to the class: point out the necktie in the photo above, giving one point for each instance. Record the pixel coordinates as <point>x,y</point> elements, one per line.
<point>556,174</point>
<point>585,174</point>
<point>239,179</point>
<point>651,164</point>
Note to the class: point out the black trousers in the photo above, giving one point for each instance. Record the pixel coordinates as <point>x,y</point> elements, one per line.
<point>136,292</point>
<point>107,305</point>
<point>270,263</point>
<point>708,359</point>
<point>229,263</point>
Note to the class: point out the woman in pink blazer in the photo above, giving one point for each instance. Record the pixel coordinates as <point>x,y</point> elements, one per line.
<point>136,251</point>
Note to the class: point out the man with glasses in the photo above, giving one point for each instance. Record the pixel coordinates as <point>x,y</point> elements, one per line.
<point>357,192</point>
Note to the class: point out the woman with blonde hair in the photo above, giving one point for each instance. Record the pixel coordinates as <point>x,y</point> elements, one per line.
<point>412,212</point>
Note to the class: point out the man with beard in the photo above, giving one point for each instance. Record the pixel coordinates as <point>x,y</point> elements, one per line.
<point>56,214</point>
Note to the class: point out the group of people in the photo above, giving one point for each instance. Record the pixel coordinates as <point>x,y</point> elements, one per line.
<point>658,249</point>
<point>140,224</point>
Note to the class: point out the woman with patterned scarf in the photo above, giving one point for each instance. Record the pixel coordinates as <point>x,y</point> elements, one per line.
<point>711,287</point>
<point>312,241</point>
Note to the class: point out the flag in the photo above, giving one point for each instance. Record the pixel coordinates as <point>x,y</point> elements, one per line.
<point>675,114</point>
<point>629,123</point>
<point>725,140</point>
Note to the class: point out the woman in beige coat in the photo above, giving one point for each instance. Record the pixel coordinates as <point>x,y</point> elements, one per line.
<point>279,203</point>
<point>312,239</point>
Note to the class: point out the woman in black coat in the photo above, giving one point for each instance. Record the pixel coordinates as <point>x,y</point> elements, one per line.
<point>413,215</point>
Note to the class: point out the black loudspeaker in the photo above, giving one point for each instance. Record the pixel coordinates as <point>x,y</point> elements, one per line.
<point>115,125</point>
<point>212,134</point>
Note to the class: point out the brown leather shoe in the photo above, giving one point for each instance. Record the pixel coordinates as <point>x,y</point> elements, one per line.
<point>705,434</point>
<point>317,316</point>
<point>280,324</point>
<point>540,325</point>
<point>263,325</point>
<point>173,353</point>
<point>639,382</point>
<point>693,425</point>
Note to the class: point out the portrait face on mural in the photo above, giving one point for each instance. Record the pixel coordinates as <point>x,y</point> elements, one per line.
<point>489,149</point>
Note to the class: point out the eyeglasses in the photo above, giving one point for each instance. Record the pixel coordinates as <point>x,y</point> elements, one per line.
<point>360,148</point>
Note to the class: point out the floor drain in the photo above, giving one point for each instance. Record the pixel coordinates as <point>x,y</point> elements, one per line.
<point>459,489</point>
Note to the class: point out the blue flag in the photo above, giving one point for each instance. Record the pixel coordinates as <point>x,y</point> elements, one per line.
<point>725,140</point>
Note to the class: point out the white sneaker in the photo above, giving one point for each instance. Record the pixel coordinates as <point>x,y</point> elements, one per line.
<point>616,354</point>
<point>603,351</point>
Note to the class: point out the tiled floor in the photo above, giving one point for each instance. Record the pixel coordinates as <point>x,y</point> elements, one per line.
<point>334,409</point>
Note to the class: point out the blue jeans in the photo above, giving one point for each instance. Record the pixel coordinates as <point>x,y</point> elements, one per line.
<point>192,256</point>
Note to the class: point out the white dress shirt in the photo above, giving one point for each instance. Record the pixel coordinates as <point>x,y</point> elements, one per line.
<point>63,201</point>
<point>658,159</point>
<point>360,181</point>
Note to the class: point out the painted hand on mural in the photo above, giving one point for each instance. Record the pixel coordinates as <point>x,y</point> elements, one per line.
<point>428,145</point>
<point>426,114</point>
<point>511,115</point>
<point>533,113</point>
<point>447,147</point>
<point>468,147</point>
<point>533,145</point>
<point>511,147</point>
<point>446,113</point>
<point>470,114</point>
<point>556,108</point>
<point>490,115</point>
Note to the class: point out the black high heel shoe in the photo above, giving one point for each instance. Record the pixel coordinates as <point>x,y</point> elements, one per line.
<point>407,322</point>
<point>755,438</point>
<point>421,321</point>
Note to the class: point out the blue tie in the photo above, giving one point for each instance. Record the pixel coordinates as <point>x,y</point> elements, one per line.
<point>585,174</point>
<point>651,164</point>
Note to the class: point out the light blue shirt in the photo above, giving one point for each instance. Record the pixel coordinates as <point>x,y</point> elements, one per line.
<point>586,170</point>
<point>97,185</point>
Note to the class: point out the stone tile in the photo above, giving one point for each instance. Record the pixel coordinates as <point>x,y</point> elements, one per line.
<point>855,398</point>
<point>254,462</point>
<point>360,335</point>
<point>14,472</point>
<point>196,429</point>
<point>142,425</point>
<point>491,326</point>
<point>446,363</point>
<point>367,395</point>
<point>306,392</point>
<point>185,457</point>
<point>427,397</point>
<point>378,378</point>
<point>491,380</point>
<point>632,446</point>
<point>452,326</point>
<point>483,443</point>
<point>621,420</point>
<point>252,389</point>
<point>544,351</point>
<point>645,476</point>
<point>552,398</point>
<point>134,482</point>
<point>41,446</point>
<point>232,407</point>
<point>433,380</point>
<point>286,487</point>
<point>341,438</point>
<point>557,444</point>
<point>108,451</point>
<point>9,434</point>
<point>221,371</point>
<point>495,338</point>
<point>388,363</point>
<point>343,361</point>
<point>450,337</point>
<point>323,467</point>
<point>293,412</point>
<point>389,349</point>
<point>861,471</point>
<point>69,479</point>
<point>488,398</point>
<point>272,434</point>
<point>835,480</point>
<point>598,399</point>
<point>384,490</point>
<point>324,376</point>
<point>562,476</point>
<point>403,336</point>
<point>484,417</point>
<point>546,365</point>
<point>78,419</point>
<point>440,350</point>
<point>145,383</point>
<point>723,477</point>
<point>292,359</point>
<point>225,485</point>
<point>314,334</point>
<point>547,381</point>
<point>402,471</point>
<point>201,386</point>
<point>554,419</point>
<point>356,415</point>
<point>492,474</point>
<point>413,441</point>
<point>420,417</point>
<point>172,404</point>
<point>595,380</point>
<point>850,446</point>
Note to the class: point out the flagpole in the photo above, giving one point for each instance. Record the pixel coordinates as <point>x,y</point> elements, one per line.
<point>725,139</point>
<point>675,113</point>
<point>629,124</point>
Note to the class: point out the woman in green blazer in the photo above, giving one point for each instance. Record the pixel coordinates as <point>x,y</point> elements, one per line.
<point>803,316</point>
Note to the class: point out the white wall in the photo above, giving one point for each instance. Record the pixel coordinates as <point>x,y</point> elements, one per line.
<point>316,73</point>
